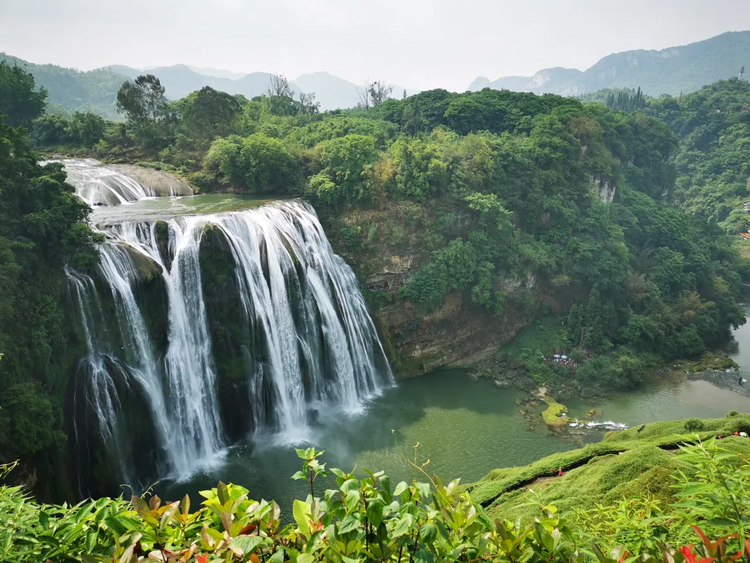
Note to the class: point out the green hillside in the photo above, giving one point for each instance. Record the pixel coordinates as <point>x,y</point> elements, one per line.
<point>69,90</point>
<point>713,160</point>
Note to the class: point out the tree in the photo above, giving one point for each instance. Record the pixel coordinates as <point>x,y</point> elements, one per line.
<point>346,162</point>
<point>309,105</point>
<point>281,97</point>
<point>19,99</point>
<point>379,92</point>
<point>87,128</point>
<point>363,93</point>
<point>147,109</point>
<point>278,87</point>
<point>208,113</point>
<point>257,162</point>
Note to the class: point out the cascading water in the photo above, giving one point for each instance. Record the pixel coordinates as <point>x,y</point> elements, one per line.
<point>99,184</point>
<point>306,340</point>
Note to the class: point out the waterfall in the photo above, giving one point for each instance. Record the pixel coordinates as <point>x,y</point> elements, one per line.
<point>99,184</point>
<point>306,339</point>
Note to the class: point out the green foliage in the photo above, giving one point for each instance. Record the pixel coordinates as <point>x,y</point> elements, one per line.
<point>257,162</point>
<point>712,164</point>
<point>618,99</point>
<point>147,110</point>
<point>30,418</point>
<point>207,114</point>
<point>20,102</point>
<point>366,518</point>
<point>82,129</point>
<point>42,227</point>
<point>694,424</point>
<point>69,90</point>
<point>344,163</point>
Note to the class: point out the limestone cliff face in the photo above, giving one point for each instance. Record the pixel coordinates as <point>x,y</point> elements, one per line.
<point>457,334</point>
<point>386,249</point>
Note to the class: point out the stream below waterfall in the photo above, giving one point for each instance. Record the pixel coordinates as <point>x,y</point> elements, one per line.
<point>308,370</point>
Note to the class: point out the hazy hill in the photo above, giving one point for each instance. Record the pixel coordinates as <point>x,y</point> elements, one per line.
<point>333,92</point>
<point>181,80</point>
<point>669,71</point>
<point>217,72</point>
<point>96,90</point>
<point>70,90</point>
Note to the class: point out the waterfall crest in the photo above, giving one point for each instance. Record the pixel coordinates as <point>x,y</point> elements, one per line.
<point>100,184</point>
<point>301,337</point>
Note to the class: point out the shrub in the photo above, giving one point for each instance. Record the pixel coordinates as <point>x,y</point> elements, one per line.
<point>694,425</point>
<point>366,518</point>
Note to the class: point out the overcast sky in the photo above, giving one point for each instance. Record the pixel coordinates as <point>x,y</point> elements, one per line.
<point>414,43</point>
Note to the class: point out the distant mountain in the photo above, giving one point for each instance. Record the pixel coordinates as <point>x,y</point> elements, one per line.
<point>218,72</point>
<point>333,92</point>
<point>96,90</point>
<point>69,90</point>
<point>669,71</point>
<point>181,80</point>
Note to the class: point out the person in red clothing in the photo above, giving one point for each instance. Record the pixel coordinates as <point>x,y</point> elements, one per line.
<point>560,472</point>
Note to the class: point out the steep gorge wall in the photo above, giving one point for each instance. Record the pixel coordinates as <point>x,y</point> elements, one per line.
<point>386,247</point>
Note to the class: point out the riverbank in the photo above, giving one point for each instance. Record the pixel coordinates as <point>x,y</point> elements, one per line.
<point>624,464</point>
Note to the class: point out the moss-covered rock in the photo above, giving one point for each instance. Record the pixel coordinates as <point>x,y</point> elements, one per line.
<point>553,415</point>
<point>145,267</point>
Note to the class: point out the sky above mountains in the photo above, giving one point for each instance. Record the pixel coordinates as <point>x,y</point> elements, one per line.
<point>418,43</point>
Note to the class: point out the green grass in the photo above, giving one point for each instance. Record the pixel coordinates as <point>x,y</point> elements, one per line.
<point>626,463</point>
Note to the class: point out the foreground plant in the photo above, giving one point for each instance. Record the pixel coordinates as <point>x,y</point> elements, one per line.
<point>366,518</point>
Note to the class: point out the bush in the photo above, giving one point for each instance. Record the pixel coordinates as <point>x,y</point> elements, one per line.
<point>257,162</point>
<point>428,287</point>
<point>371,520</point>
<point>694,425</point>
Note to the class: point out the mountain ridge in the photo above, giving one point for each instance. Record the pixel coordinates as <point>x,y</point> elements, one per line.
<point>673,70</point>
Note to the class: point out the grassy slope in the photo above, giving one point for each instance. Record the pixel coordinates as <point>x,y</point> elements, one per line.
<point>624,464</point>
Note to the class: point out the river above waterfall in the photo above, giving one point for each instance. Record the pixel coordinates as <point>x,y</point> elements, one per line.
<point>165,208</point>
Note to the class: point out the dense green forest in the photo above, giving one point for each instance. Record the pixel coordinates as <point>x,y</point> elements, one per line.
<point>713,161</point>
<point>540,211</point>
<point>676,493</point>
<point>42,228</point>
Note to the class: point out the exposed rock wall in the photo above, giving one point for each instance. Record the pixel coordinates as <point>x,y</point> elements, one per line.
<point>389,249</point>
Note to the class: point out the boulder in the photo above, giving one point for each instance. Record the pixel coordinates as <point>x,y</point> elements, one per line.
<point>525,383</point>
<point>145,267</point>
